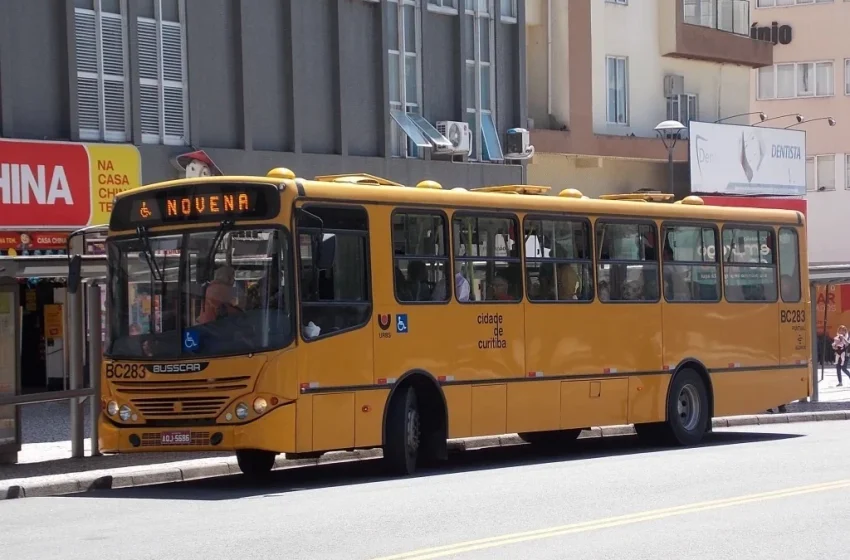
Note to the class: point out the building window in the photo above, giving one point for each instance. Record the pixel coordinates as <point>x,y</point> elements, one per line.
<point>403,32</point>
<point>682,108</point>
<point>618,89</point>
<point>162,74</point>
<point>480,76</point>
<point>508,11</point>
<point>102,78</point>
<point>781,3</point>
<point>796,79</point>
<point>443,6</point>
<point>847,77</point>
<point>847,171</point>
<point>820,173</point>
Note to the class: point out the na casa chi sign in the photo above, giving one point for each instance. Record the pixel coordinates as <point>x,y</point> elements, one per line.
<point>63,184</point>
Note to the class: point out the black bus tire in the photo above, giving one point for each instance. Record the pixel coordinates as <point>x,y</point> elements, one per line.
<point>401,446</point>
<point>255,463</point>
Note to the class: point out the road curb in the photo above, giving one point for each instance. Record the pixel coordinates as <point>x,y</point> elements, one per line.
<point>184,471</point>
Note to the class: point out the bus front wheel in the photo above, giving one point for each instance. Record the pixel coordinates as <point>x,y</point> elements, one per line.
<point>401,447</point>
<point>255,462</point>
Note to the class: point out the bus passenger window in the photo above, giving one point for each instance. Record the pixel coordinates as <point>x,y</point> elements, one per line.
<point>789,266</point>
<point>749,264</point>
<point>627,264</point>
<point>690,266</point>
<point>557,260</point>
<point>487,262</point>
<point>420,257</point>
<point>334,269</point>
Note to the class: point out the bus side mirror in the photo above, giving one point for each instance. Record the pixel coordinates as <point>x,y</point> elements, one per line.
<point>75,267</point>
<point>326,253</point>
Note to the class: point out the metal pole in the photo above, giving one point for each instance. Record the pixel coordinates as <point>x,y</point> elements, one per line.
<point>825,331</point>
<point>813,294</point>
<point>75,339</point>
<point>670,165</point>
<point>94,320</point>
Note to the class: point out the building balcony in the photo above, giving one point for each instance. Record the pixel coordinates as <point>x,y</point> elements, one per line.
<point>711,30</point>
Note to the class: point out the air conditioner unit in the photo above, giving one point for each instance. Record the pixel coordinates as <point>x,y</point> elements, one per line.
<point>674,84</point>
<point>458,134</point>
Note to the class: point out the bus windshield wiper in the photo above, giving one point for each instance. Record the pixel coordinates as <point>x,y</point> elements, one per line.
<point>157,274</point>
<point>223,228</point>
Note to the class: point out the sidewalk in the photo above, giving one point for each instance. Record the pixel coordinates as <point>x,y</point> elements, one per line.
<point>45,467</point>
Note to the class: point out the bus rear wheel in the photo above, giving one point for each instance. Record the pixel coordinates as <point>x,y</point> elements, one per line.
<point>255,463</point>
<point>403,436</point>
<point>688,413</point>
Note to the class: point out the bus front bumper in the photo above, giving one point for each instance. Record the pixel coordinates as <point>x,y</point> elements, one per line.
<point>274,431</point>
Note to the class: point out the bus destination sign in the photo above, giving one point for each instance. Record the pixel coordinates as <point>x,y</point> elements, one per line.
<point>211,202</point>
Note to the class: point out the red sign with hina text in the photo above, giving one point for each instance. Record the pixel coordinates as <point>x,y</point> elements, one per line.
<point>44,184</point>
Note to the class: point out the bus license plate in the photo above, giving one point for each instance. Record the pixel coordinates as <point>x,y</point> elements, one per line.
<point>176,438</point>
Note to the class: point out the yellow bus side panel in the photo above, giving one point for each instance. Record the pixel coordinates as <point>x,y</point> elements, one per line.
<point>489,410</point>
<point>304,424</point>
<point>459,403</point>
<point>275,434</point>
<point>590,403</point>
<point>648,398</point>
<point>748,392</point>
<point>533,406</point>
<point>333,421</point>
<point>369,417</point>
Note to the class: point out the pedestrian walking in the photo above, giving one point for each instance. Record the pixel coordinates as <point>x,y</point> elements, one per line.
<point>840,344</point>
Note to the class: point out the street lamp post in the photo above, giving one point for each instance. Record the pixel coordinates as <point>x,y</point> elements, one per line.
<point>830,120</point>
<point>762,116</point>
<point>798,116</point>
<point>669,132</point>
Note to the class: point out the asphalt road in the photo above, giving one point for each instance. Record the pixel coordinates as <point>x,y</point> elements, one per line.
<point>766,492</point>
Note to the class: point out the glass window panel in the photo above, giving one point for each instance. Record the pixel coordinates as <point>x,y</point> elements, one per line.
<point>392,26</point>
<point>409,15</point>
<point>824,79</point>
<point>395,88</point>
<point>411,79</point>
<point>766,86</point>
<point>805,80</point>
<point>785,80</point>
<point>484,26</point>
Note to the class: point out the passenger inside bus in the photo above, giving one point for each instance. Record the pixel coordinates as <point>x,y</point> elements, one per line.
<point>219,296</point>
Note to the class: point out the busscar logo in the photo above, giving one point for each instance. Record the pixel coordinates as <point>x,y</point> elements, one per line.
<point>384,321</point>
<point>190,367</point>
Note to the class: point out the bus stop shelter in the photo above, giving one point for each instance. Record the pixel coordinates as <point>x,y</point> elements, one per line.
<point>822,274</point>
<point>77,322</point>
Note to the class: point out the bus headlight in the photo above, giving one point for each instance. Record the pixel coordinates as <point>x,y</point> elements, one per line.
<point>112,408</point>
<point>260,405</point>
<point>124,413</point>
<point>242,411</point>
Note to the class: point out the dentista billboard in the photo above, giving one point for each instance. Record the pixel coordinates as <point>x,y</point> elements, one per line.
<point>747,160</point>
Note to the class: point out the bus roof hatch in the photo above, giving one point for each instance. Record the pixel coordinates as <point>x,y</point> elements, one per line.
<point>640,196</point>
<point>513,189</point>
<point>358,179</point>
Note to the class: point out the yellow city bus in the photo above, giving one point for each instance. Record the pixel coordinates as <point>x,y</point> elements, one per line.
<point>268,315</point>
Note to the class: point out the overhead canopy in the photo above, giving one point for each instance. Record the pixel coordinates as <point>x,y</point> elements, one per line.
<point>829,273</point>
<point>50,266</point>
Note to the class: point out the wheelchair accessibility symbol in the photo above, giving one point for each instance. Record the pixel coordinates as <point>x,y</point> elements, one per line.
<point>401,323</point>
<point>190,341</point>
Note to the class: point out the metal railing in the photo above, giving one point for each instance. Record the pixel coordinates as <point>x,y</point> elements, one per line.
<point>732,16</point>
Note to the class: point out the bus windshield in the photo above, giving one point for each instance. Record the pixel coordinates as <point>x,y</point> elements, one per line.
<point>199,294</point>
